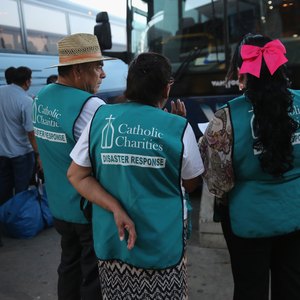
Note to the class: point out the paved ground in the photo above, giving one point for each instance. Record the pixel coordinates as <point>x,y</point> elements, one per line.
<point>28,268</point>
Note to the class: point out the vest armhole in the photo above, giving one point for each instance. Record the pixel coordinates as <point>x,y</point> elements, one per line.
<point>232,146</point>
<point>89,141</point>
<point>182,150</point>
<point>80,111</point>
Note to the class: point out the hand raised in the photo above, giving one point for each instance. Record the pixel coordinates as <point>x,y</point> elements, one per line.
<point>178,108</point>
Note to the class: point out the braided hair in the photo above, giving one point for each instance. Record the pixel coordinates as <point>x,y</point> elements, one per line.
<point>272,102</point>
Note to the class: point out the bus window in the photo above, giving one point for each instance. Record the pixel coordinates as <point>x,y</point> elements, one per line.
<point>42,36</point>
<point>199,37</point>
<point>81,24</point>
<point>10,31</point>
<point>188,32</point>
<point>277,19</point>
<point>118,32</point>
<point>138,24</point>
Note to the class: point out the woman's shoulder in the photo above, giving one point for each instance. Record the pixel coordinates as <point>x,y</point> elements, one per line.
<point>237,99</point>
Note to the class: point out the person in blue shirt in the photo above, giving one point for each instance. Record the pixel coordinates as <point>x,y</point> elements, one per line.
<point>17,141</point>
<point>18,148</point>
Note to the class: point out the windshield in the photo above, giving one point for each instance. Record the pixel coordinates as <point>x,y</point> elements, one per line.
<point>177,28</point>
<point>199,36</point>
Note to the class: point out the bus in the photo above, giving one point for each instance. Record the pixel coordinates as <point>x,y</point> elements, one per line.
<point>199,37</point>
<point>30,30</point>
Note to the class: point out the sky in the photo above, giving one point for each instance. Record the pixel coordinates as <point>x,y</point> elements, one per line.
<point>113,7</point>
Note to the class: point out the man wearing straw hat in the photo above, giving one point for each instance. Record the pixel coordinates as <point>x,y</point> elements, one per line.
<point>60,113</point>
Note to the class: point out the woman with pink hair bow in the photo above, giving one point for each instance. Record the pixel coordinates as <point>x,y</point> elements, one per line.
<point>251,153</point>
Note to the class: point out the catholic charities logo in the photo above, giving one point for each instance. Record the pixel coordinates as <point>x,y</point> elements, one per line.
<point>145,139</point>
<point>49,118</point>
<point>108,134</point>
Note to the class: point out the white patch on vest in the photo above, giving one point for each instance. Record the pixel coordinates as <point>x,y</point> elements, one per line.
<point>125,159</point>
<point>50,136</point>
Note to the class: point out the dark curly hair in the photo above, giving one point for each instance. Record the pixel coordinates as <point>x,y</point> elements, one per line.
<point>272,102</point>
<point>148,75</point>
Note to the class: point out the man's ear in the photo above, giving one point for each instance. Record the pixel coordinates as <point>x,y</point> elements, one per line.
<point>27,84</point>
<point>76,72</point>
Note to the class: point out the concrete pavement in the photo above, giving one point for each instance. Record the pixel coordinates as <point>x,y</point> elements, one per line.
<point>28,270</point>
<point>28,267</point>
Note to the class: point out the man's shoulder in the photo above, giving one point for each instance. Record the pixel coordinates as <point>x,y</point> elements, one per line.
<point>4,88</point>
<point>8,91</point>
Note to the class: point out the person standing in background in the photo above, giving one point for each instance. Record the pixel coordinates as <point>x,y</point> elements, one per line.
<point>61,111</point>
<point>9,74</point>
<point>251,153</point>
<point>51,79</point>
<point>18,147</point>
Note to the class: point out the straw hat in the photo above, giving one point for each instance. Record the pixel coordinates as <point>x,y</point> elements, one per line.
<point>79,48</point>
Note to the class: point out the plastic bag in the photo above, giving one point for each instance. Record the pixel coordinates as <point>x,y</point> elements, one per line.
<point>26,214</point>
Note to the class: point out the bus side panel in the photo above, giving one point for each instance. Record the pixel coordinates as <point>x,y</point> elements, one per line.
<point>39,64</point>
<point>112,86</point>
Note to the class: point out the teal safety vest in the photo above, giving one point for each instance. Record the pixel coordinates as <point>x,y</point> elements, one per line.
<point>259,204</point>
<point>55,110</point>
<point>136,152</point>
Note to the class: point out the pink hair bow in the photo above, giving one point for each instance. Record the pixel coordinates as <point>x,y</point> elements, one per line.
<point>273,53</point>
